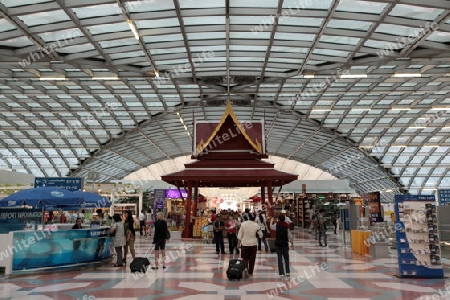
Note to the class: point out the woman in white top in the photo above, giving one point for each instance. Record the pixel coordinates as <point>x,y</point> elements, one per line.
<point>261,220</point>
<point>119,239</point>
<point>248,242</point>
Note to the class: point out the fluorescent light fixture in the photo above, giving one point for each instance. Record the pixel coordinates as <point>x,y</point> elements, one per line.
<point>308,76</point>
<point>389,191</point>
<point>106,78</point>
<point>416,127</point>
<point>133,29</point>
<point>431,146</point>
<point>354,76</point>
<point>428,189</point>
<point>400,108</point>
<point>52,78</point>
<point>399,146</point>
<point>366,146</point>
<point>156,73</point>
<point>407,75</point>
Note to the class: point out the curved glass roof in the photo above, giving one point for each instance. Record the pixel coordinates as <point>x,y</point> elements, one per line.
<point>357,89</point>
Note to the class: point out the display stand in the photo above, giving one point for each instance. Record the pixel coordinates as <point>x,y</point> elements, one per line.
<point>419,253</point>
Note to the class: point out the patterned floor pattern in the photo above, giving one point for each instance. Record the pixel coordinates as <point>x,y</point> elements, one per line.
<point>195,272</point>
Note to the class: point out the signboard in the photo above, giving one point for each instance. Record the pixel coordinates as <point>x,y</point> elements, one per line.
<point>160,198</point>
<point>444,197</point>
<point>68,183</point>
<point>375,207</point>
<point>360,202</point>
<point>175,194</point>
<point>19,219</point>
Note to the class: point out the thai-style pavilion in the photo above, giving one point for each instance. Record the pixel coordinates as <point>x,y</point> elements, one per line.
<point>229,153</point>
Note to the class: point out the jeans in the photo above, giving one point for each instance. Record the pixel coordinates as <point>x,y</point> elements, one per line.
<point>283,252</point>
<point>263,239</point>
<point>119,255</point>
<point>232,242</point>
<point>218,236</point>
<point>322,233</point>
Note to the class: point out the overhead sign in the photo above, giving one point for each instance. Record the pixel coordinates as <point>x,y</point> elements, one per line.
<point>375,207</point>
<point>68,183</point>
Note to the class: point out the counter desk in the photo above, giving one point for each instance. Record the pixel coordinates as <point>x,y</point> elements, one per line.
<point>28,251</point>
<point>358,238</point>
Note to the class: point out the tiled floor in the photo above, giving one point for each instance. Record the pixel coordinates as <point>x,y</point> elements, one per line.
<point>333,273</point>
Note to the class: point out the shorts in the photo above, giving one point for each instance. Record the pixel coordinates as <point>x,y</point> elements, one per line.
<point>160,245</point>
<point>149,223</point>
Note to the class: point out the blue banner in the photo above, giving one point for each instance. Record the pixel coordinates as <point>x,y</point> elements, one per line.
<point>19,219</point>
<point>67,183</point>
<point>51,247</point>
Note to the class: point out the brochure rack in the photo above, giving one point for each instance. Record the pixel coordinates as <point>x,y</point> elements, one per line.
<point>419,253</point>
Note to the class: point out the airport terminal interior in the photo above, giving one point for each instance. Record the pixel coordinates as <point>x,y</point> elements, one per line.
<point>343,90</point>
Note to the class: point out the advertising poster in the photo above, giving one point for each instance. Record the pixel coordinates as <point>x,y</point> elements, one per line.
<point>375,212</point>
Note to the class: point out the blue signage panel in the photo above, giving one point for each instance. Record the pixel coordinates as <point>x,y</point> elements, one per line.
<point>52,247</point>
<point>19,219</point>
<point>444,197</point>
<point>68,183</point>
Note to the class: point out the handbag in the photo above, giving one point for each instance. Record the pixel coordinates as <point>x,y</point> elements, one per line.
<point>168,234</point>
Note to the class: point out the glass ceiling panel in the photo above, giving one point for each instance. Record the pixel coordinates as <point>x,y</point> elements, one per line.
<point>5,25</point>
<point>296,5</point>
<point>63,36</point>
<point>307,22</point>
<point>17,42</point>
<point>118,43</point>
<point>205,49</point>
<point>126,55</point>
<point>289,49</point>
<point>204,20</point>
<point>380,44</point>
<point>209,35</point>
<point>254,3</point>
<point>109,28</point>
<point>248,48</point>
<point>163,38</point>
<point>393,29</point>
<point>161,23</point>
<point>349,24</point>
<point>167,51</point>
<point>42,18</point>
<point>439,36</point>
<point>293,36</point>
<point>14,3</point>
<point>344,40</point>
<point>361,6</point>
<point>77,48</point>
<point>331,52</point>
<point>414,12</point>
<point>97,11</point>
<point>201,4</point>
<point>146,5</point>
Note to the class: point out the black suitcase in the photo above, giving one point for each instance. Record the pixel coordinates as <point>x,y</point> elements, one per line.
<point>235,269</point>
<point>139,264</point>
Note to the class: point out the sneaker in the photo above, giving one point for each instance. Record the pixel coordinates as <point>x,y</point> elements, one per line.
<point>287,274</point>
<point>281,275</point>
<point>246,273</point>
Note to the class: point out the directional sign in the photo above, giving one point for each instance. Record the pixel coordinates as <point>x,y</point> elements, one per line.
<point>68,183</point>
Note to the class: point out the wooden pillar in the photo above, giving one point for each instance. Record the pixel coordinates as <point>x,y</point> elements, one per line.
<point>187,221</point>
<point>270,192</point>
<point>195,198</point>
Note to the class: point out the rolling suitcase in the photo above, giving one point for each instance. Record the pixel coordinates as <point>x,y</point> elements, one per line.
<point>235,269</point>
<point>139,264</point>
